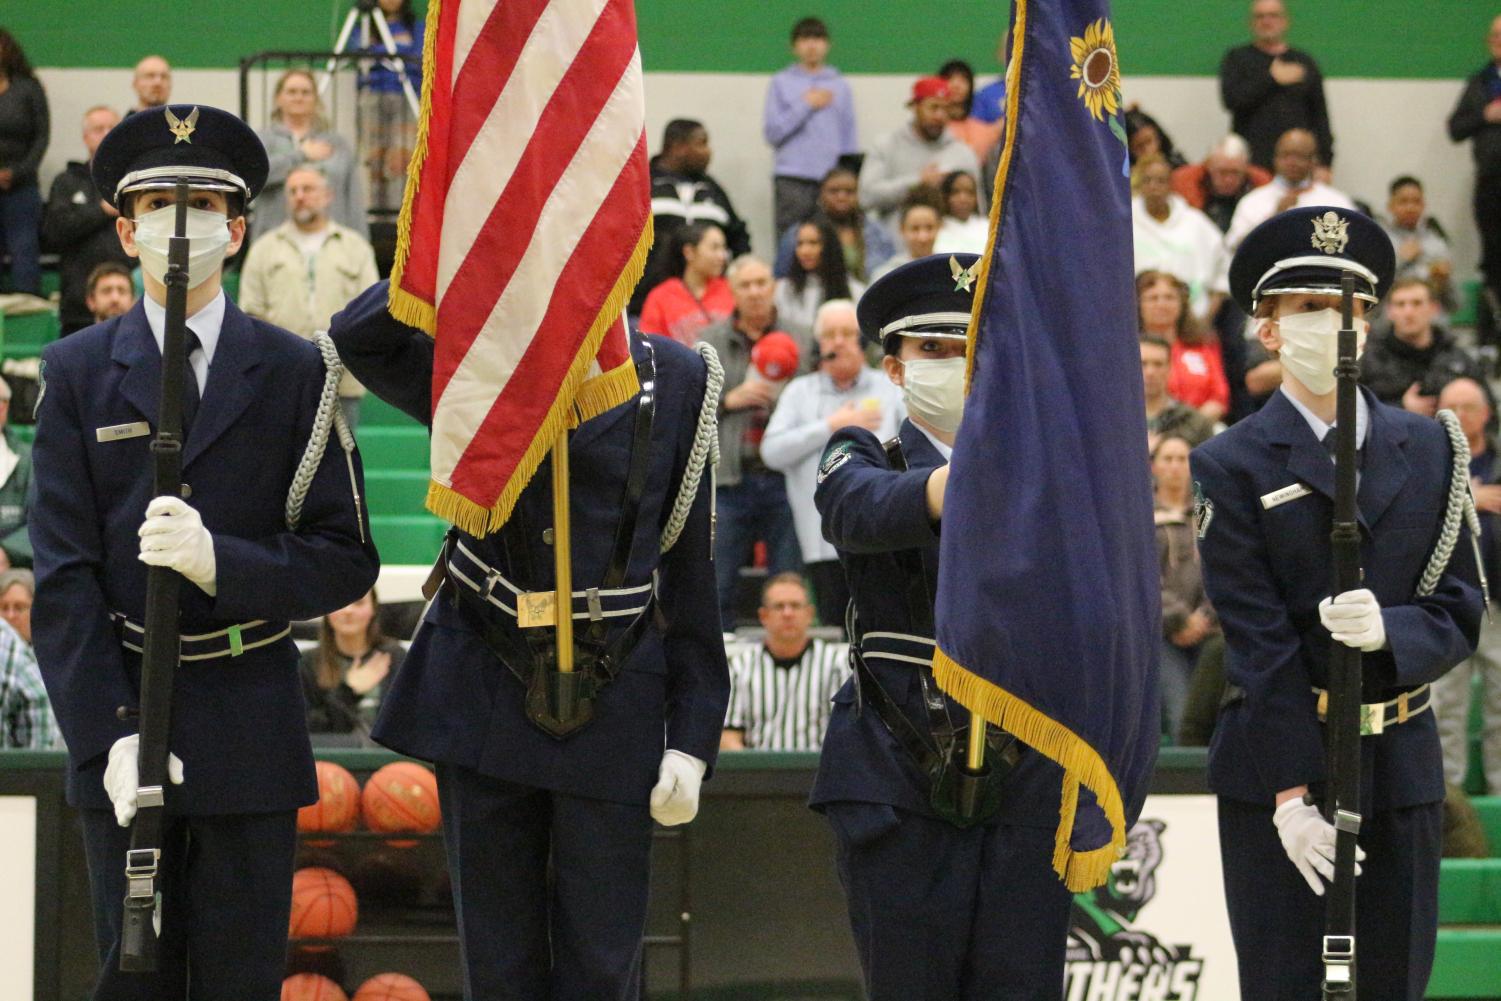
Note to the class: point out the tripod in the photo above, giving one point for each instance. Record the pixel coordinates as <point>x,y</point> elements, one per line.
<point>365,14</point>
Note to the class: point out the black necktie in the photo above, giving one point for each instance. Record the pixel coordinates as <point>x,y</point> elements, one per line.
<point>190,395</point>
<point>1328,441</point>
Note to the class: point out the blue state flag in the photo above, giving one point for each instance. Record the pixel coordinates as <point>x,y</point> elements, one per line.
<point>1047,616</point>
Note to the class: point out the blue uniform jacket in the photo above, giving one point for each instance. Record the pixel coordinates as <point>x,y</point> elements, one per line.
<point>1267,569</point>
<point>871,512</point>
<point>238,724</point>
<point>454,701</point>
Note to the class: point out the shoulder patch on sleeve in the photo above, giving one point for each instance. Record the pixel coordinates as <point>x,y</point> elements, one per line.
<point>835,457</point>
<point>1203,511</point>
<point>41,385</point>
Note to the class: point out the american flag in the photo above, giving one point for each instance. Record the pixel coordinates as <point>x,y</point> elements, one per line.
<point>525,227</point>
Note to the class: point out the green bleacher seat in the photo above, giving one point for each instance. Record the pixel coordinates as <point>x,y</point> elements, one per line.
<point>1469,300</point>
<point>374,410</point>
<point>393,446</point>
<point>412,538</point>
<point>25,336</point>
<point>1469,891</point>
<point>1465,964</point>
<point>395,491</point>
<point>1489,808</point>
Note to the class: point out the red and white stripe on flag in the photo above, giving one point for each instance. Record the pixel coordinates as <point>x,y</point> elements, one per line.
<point>525,227</point>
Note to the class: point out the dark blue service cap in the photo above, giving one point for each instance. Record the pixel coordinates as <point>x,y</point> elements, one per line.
<point>209,148</point>
<point>1309,249</point>
<point>931,296</point>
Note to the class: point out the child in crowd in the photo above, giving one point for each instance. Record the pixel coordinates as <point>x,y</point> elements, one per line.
<point>964,229</point>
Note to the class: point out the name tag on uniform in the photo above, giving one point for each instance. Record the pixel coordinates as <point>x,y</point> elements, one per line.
<point>1288,493</point>
<point>120,432</point>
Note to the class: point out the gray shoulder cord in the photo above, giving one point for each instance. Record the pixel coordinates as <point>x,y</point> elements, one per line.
<point>330,416</point>
<point>1460,508</point>
<point>705,453</point>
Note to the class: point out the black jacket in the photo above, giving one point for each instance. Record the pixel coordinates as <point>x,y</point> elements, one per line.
<point>1390,365</point>
<point>1468,122</point>
<point>1261,109</point>
<point>677,200</point>
<point>75,227</point>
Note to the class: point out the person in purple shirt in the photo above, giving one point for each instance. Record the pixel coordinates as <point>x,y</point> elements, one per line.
<point>809,122</point>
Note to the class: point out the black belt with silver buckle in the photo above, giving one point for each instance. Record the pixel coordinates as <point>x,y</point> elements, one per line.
<point>231,641</point>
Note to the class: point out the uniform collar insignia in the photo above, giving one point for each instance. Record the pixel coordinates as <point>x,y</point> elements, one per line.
<point>1203,511</point>
<point>1330,233</point>
<point>182,128</point>
<point>964,278</point>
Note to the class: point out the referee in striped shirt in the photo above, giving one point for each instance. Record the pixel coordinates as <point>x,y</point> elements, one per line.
<point>780,690</point>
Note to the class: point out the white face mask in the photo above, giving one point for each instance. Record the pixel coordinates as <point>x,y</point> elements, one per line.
<point>933,389</point>
<point>1310,347</point>
<point>208,237</point>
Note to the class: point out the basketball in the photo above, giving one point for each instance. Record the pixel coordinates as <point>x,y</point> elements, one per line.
<point>323,904</point>
<point>391,987</point>
<point>312,987</point>
<point>338,805</point>
<point>402,796</point>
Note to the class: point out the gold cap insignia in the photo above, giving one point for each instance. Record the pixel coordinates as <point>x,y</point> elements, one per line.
<point>964,278</point>
<point>182,128</point>
<point>1330,233</point>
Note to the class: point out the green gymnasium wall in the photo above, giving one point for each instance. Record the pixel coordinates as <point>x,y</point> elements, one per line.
<point>1433,39</point>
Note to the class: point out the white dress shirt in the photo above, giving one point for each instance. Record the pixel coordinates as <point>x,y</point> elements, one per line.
<point>206,323</point>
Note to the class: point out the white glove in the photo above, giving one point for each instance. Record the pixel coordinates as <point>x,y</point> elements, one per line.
<point>1354,619</point>
<point>1308,840</point>
<point>674,800</point>
<point>122,776</point>
<point>173,536</point>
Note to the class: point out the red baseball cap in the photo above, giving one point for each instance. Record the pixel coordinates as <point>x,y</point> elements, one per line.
<point>929,86</point>
<point>776,356</point>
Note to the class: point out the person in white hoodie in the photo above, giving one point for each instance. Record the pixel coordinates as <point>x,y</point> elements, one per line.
<point>1171,235</point>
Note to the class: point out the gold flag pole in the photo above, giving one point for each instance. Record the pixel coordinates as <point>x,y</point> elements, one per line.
<point>975,757</point>
<point>562,554</point>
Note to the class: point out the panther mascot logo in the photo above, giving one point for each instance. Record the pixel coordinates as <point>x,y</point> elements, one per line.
<point>1104,920</point>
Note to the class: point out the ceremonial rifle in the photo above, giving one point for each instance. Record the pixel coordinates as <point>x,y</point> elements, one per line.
<point>160,648</point>
<point>1342,718</point>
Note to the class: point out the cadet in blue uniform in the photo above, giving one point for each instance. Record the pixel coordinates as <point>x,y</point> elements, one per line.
<point>1264,507</point>
<point>514,794</point>
<point>941,910</point>
<point>240,755</point>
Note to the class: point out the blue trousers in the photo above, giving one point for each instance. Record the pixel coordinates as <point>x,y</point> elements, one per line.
<point>1278,922</point>
<point>226,886</point>
<point>753,510</point>
<point>20,232</point>
<point>550,890</point>
<point>941,914</point>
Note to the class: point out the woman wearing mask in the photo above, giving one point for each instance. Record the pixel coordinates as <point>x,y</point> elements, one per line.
<point>300,134</point>
<point>697,294</point>
<point>1197,377</point>
<point>345,676</point>
<point>817,276</point>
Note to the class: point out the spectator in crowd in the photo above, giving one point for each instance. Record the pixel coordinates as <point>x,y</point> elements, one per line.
<point>1477,116</point>
<point>780,689</point>
<point>1145,138</point>
<point>1206,690</point>
<point>345,676</point>
<point>1410,358</point>
<point>152,83</point>
<point>965,229</point>
<point>918,224</point>
<point>817,276</point>
<point>809,122</point>
<point>696,293</point>
<point>387,124</point>
<point>751,498</point>
<point>1269,87</point>
<point>990,100</point>
<point>1421,245</point>
<point>79,226</point>
<point>682,192</point>
<point>300,134</point>
<point>1165,415</point>
<point>26,720</point>
<point>15,490</point>
<point>109,292</point>
<point>921,151</point>
<point>1471,403</point>
<point>1197,375</point>
<point>1216,186</point>
<point>1171,235</point>
<point>1187,618</point>
<point>17,589</point>
<point>24,131</point>
<point>978,135</point>
<point>301,273</point>
<point>841,392</point>
<point>866,242</point>
<point>1294,184</point>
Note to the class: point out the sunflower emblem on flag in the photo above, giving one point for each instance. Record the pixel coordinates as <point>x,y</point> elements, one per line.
<point>1098,70</point>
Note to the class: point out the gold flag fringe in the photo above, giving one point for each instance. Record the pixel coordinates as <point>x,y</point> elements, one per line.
<point>1079,870</point>
<point>404,306</point>
<point>576,401</point>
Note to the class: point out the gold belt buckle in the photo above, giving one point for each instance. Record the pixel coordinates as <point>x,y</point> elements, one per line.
<point>1372,718</point>
<point>536,608</point>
